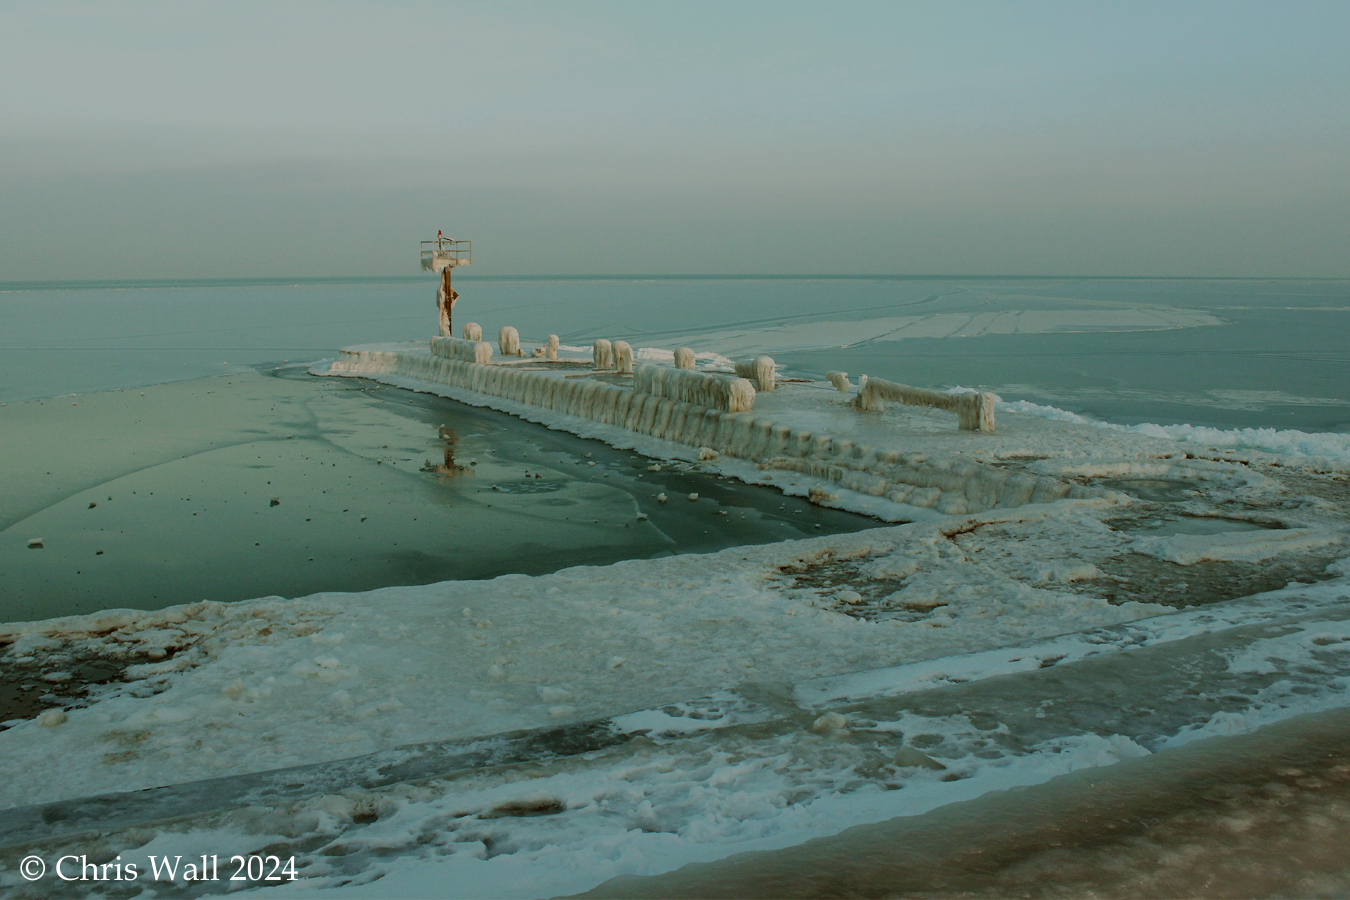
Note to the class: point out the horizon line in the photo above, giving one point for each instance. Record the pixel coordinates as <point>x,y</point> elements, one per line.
<point>83,283</point>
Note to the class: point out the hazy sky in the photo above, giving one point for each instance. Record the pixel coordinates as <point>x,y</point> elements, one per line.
<point>201,139</point>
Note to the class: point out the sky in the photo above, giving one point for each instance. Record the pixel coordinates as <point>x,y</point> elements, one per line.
<point>290,139</point>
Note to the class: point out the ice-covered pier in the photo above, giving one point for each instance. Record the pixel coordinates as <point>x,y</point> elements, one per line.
<point>709,413</point>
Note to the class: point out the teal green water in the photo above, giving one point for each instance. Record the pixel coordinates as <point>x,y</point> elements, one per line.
<point>1281,358</point>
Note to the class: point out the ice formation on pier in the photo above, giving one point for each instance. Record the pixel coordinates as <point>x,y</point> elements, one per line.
<point>508,339</point>
<point>975,411</point>
<point>473,331</point>
<point>602,354</point>
<point>951,485</point>
<point>759,371</point>
<point>551,350</point>
<point>459,348</point>
<point>704,389</point>
<point>839,380</point>
<point>684,358</point>
<point>623,357</point>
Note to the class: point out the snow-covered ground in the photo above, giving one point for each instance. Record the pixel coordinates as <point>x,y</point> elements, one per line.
<point>750,699</point>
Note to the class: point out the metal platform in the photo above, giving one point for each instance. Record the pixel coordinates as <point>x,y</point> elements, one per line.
<point>443,253</point>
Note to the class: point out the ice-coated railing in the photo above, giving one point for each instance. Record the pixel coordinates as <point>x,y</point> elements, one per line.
<point>974,411</point>
<point>705,389</point>
<point>459,348</point>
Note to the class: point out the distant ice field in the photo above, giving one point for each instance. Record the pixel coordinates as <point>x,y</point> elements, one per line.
<point>1217,353</point>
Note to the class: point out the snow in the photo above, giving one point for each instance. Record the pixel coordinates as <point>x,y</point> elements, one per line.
<point>1244,546</point>
<point>1331,450</point>
<point>273,683</point>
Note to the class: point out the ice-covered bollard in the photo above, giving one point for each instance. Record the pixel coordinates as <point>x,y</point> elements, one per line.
<point>623,357</point>
<point>741,396</point>
<point>508,339</point>
<point>975,412</point>
<point>839,380</point>
<point>602,354</point>
<point>473,331</point>
<point>684,358</point>
<point>551,352</point>
<point>759,371</point>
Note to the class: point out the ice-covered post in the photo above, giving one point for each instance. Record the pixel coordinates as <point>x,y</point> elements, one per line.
<point>553,344</point>
<point>440,256</point>
<point>684,358</point>
<point>473,331</point>
<point>975,412</point>
<point>602,354</point>
<point>508,339</point>
<point>445,301</point>
<point>623,357</point>
<point>839,380</point>
<point>759,371</point>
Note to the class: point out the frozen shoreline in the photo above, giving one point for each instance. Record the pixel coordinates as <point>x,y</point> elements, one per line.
<point>880,617</point>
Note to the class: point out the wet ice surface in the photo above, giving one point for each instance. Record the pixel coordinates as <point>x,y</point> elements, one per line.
<point>150,498</point>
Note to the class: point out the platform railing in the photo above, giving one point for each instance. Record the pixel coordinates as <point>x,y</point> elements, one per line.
<point>455,253</point>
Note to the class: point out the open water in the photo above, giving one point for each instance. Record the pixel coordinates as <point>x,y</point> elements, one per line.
<point>1276,357</point>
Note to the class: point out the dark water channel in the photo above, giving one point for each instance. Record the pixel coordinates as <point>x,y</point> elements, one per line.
<point>301,484</point>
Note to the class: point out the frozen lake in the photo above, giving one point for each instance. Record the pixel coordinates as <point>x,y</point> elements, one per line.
<point>531,676</point>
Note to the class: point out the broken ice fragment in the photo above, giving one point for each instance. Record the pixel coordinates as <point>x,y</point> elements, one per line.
<point>829,722</point>
<point>908,757</point>
<point>852,598</point>
<point>35,543</point>
<point>693,496</point>
<point>52,717</point>
<point>276,501</point>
